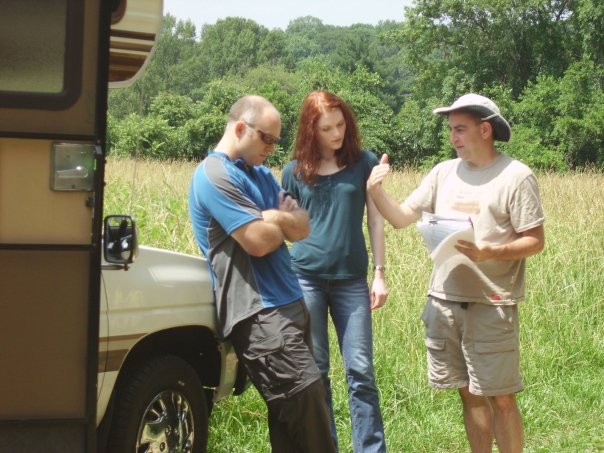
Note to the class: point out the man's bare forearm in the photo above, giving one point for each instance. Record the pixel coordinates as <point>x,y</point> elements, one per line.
<point>259,238</point>
<point>529,243</point>
<point>295,223</point>
<point>398,215</point>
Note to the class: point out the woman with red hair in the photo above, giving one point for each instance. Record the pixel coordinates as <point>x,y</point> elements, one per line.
<point>328,178</point>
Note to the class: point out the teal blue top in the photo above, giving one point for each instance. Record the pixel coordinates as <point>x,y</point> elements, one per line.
<point>335,248</point>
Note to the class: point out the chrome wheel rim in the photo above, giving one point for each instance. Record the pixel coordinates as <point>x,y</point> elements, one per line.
<point>167,425</point>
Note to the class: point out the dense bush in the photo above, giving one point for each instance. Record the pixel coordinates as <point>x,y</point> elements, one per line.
<point>547,79</point>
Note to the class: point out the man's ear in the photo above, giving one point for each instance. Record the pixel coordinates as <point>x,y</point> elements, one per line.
<point>240,128</point>
<point>486,130</point>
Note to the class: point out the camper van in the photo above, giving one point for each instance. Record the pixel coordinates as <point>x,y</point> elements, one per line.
<point>105,345</point>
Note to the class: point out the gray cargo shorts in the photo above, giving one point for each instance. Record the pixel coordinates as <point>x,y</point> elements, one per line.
<point>274,346</point>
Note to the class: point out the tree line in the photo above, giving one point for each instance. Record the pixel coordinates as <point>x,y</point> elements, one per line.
<point>541,61</point>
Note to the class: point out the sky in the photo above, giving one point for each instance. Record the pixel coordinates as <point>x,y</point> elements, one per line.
<point>278,13</point>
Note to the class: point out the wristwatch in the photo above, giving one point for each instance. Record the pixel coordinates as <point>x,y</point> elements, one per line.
<point>379,268</point>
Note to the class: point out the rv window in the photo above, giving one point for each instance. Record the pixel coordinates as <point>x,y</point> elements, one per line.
<point>39,58</point>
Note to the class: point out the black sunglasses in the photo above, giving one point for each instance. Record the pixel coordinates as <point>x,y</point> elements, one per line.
<point>266,138</point>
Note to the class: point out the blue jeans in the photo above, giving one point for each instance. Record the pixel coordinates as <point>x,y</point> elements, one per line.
<point>347,301</point>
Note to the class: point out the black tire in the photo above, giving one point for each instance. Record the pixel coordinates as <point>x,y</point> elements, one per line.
<point>160,407</point>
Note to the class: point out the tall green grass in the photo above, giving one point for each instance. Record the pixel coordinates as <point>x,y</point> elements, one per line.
<point>562,321</point>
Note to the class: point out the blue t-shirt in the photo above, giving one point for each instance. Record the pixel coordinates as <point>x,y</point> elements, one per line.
<point>335,248</point>
<point>225,195</point>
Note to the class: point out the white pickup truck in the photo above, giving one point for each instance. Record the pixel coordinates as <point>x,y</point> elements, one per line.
<point>161,366</point>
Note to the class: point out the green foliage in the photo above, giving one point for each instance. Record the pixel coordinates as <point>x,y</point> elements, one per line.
<point>565,118</point>
<point>580,126</point>
<point>176,45</point>
<point>145,137</point>
<point>591,24</point>
<point>528,146</point>
<point>485,39</point>
<point>304,39</point>
<point>541,61</point>
<point>173,108</point>
<point>200,135</point>
<point>235,45</point>
<point>219,95</point>
<point>419,135</point>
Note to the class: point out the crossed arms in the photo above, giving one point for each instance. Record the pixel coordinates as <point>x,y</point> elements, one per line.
<point>261,237</point>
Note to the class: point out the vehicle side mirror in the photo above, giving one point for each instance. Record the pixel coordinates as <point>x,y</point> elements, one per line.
<point>120,242</point>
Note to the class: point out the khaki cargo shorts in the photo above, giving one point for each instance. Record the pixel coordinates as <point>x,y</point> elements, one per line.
<point>473,345</point>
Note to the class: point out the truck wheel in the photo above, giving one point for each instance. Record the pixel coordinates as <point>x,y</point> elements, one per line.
<point>160,408</point>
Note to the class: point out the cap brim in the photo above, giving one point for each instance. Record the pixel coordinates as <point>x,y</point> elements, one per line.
<point>442,110</point>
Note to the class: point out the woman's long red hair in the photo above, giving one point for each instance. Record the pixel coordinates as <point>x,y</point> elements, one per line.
<point>306,151</point>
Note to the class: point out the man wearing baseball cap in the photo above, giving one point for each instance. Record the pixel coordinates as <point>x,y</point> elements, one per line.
<point>471,316</point>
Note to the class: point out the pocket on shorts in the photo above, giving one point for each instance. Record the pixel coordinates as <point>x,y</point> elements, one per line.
<point>264,347</point>
<point>269,364</point>
<point>427,312</point>
<point>500,346</point>
<point>437,344</point>
<point>494,368</point>
<point>444,370</point>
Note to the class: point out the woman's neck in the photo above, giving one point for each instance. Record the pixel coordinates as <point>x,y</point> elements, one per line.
<point>328,164</point>
<point>328,155</point>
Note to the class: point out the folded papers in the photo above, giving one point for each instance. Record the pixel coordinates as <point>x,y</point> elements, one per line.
<point>441,235</point>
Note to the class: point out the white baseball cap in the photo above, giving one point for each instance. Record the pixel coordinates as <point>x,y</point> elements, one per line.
<point>486,109</point>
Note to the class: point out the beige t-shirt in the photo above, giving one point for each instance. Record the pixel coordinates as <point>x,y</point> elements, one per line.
<point>502,200</point>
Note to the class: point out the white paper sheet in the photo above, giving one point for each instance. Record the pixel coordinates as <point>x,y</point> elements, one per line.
<point>441,236</point>
<point>446,249</point>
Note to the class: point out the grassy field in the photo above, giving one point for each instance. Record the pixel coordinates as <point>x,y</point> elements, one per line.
<point>562,321</point>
